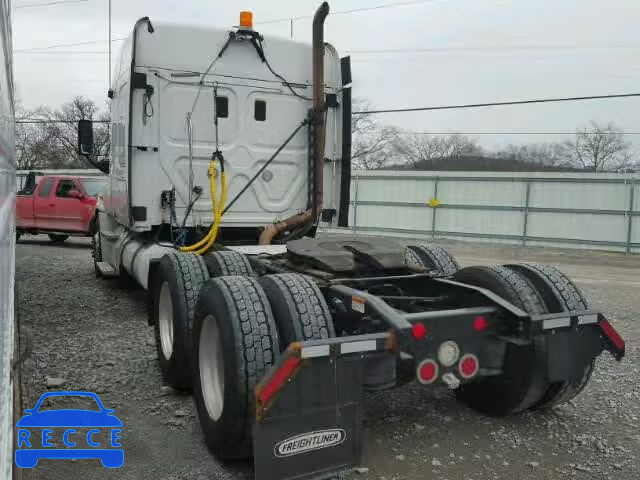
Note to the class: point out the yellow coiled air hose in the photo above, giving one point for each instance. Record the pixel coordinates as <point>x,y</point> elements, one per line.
<point>205,244</point>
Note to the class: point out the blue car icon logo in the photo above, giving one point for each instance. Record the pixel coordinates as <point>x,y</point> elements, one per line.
<point>67,433</point>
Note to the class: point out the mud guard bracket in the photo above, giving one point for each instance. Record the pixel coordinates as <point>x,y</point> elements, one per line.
<point>309,409</point>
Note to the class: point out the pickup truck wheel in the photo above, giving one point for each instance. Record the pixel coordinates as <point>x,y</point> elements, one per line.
<point>235,344</point>
<point>523,380</point>
<point>560,295</point>
<point>432,257</point>
<point>175,293</point>
<point>228,262</point>
<point>57,238</point>
<point>300,310</point>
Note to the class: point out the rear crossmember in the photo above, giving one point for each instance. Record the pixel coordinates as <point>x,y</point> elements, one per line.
<point>527,326</point>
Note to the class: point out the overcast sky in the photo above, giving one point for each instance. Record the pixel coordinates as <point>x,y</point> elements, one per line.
<point>495,50</point>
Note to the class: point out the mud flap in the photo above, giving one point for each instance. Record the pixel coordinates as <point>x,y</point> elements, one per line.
<point>574,339</point>
<point>309,409</point>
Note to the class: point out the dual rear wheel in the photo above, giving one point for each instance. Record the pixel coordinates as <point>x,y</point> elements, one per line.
<point>524,382</point>
<point>241,325</point>
<point>235,342</point>
<point>536,289</point>
<point>219,330</point>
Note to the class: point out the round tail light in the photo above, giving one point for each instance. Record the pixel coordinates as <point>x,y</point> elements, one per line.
<point>480,323</point>
<point>468,366</point>
<point>427,372</point>
<point>419,331</point>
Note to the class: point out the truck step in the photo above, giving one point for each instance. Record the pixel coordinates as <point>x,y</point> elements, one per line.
<point>106,270</point>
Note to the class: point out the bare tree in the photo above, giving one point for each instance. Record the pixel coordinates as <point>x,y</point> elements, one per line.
<point>599,148</point>
<point>417,150</point>
<point>34,144</point>
<point>371,142</point>
<point>537,154</point>
<point>53,143</point>
<point>64,127</point>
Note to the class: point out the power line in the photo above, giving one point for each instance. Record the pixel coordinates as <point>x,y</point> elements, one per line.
<point>60,45</point>
<point>497,104</point>
<point>60,59</point>
<point>88,80</point>
<point>384,5</point>
<point>29,5</point>
<point>352,52</point>
<point>488,48</point>
<point>355,10</point>
<point>384,51</point>
<point>37,121</point>
<point>516,58</point>
<point>62,52</point>
<point>401,132</point>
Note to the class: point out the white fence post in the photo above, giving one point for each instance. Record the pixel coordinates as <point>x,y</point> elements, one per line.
<point>525,225</point>
<point>434,208</point>
<point>632,188</point>
<point>355,204</point>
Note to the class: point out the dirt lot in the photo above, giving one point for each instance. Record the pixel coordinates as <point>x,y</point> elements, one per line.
<point>90,334</point>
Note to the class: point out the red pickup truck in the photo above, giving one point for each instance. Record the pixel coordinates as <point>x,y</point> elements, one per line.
<point>58,205</point>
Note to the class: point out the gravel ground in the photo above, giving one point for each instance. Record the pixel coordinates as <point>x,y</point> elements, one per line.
<point>90,334</point>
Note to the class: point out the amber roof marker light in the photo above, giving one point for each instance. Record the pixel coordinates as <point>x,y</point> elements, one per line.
<point>246,20</point>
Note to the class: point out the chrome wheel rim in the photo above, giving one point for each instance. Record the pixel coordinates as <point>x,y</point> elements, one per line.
<point>165,320</point>
<point>211,367</point>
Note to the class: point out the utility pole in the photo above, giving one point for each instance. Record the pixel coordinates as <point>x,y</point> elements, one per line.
<point>109,43</point>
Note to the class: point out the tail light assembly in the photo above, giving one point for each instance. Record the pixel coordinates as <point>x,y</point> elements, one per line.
<point>468,366</point>
<point>427,371</point>
<point>613,337</point>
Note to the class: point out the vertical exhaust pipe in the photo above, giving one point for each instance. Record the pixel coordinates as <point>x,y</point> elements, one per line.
<point>319,132</point>
<point>319,128</point>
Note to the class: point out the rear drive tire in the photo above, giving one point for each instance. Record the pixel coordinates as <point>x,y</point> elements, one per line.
<point>300,310</point>
<point>177,284</point>
<point>560,295</point>
<point>235,344</point>
<point>228,262</point>
<point>57,238</point>
<point>523,380</point>
<point>431,257</point>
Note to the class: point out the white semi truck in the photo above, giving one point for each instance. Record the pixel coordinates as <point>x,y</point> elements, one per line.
<point>228,150</point>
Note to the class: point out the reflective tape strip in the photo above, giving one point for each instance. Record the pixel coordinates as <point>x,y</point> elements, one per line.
<point>587,319</point>
<point>316,351</point>
<point>362,346</point>
<point>556,323</point>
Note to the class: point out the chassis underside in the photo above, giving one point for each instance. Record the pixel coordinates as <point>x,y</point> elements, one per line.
<point>370,288</point>
<point>279,346</point>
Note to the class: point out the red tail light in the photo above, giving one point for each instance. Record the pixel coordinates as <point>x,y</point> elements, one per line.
<point>613,336</point>
<point>427,372</point>
<point>468,366</point>
<point>278,379</point>
<point>480,323</point>
<point>419,331</point>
